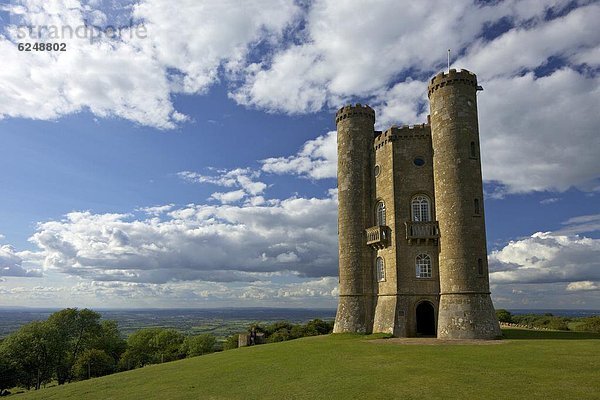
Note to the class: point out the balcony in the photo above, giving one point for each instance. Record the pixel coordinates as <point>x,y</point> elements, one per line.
<point>378,237</point>
<point>422,232</point>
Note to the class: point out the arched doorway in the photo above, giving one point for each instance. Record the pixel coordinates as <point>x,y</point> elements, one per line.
<point>425,319</point>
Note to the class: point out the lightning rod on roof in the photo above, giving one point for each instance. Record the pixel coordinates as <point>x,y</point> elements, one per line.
<point>448,60</point>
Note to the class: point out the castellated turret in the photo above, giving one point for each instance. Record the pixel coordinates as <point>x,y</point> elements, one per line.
<point>355,127</point>
<point>412,246</point>
<point>466,310</point>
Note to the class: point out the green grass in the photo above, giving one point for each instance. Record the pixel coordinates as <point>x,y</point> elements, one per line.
<point>530,365</point>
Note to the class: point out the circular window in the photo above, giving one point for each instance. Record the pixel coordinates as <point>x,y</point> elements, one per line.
<point>419,161</point>
<point>377,170</point>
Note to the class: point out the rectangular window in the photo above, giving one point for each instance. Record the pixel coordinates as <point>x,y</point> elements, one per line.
<point>480,266</point>
<point>476,207</point>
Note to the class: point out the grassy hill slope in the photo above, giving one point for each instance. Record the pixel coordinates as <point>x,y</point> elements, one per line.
<point>531,365</point>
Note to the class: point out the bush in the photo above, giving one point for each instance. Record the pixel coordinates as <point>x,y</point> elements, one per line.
<point>589,324</point>
<point>231,343</point>
<point>504,315</point>
<point>198,345</point>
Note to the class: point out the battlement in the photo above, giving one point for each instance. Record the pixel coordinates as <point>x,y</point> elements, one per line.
<point>354,111</point>
<point>396,133</point>
<point>452,77</point>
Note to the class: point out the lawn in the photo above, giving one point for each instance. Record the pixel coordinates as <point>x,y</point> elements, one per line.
<point>527,365</point>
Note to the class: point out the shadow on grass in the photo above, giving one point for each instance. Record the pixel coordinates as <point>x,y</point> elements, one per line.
<point>509,333</point>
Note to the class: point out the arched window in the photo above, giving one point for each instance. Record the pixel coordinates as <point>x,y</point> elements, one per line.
<point>420,209</point>
<point>380,213</point>
<point>476,207</point>
<point>380,267</point>
<point>423,266</point>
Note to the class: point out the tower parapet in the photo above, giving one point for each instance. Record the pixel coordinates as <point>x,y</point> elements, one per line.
<point>357,110</point>
<point>451,77</point>
<point>396,133</point>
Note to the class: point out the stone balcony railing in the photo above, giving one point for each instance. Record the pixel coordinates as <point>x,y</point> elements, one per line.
<point>378,237</point>
<point>416,232</point>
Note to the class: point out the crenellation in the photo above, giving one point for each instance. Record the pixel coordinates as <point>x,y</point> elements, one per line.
<point>452,77</point>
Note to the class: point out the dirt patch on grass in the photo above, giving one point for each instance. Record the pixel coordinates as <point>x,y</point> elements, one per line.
<point>438,342</point>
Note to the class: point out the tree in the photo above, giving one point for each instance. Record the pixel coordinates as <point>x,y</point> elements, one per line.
<point>93,363</point>
<point>151,346</point>
<point>504,315</point>
<point>34,351</point>
<point>109,340</point>
<point>9,373</point>
<point>198,345</point>
<point>589,324</point>
<point>168,345</point>
<point>77,329</point>
<point>318,327</point>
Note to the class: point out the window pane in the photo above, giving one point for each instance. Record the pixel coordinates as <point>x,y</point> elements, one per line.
<point>380,269</point>
<point>420,209</point>
<point>380,213</point>
<point>423,266</point>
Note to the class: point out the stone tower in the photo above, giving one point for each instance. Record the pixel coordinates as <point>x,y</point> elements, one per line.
<point>465,310</point>
<point>412,246</point>
<point>355,158</point>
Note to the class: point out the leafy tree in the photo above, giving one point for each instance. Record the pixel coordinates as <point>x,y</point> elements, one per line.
<point>93,363</point>
<point>318,327</point>
<point>168,345</point>
<point>109,340</point>
<point>33,350</point>
<point>504,315</point>
<point>299,331</point>
<point>9,373</point>
<point>151,346</point>
<point>198,345</point>
<point>76,329</point>
<point>589,324</point>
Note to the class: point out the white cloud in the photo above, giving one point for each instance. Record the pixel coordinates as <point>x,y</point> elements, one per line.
<point>221,243</point>
<point>316,160</point>
<point>228,197</point>
<point>546,126</point>
<point>182,50</point>
<point>566,36</point>
<point>278,56</point>
<point>546,258</point>
<point>11,264</point>
<point>243,178</point>
<point>583,286</point>
<point>156,210</point>
<point>548,270</point>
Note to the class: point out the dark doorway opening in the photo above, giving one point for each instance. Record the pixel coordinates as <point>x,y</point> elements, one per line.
<point>425,319</point>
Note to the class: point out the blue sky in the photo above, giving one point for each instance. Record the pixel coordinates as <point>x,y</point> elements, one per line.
<point>194,165</point>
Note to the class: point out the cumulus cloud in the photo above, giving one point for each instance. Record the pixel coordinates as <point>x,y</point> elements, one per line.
<point>11,264</point>
<point>538,110</point>
<point>243,178</point>
<point>558,269</point>
<point>221,243</point>
<point>549,128</point>
<point>583,286</point>
<point>317,159</point>
<point>134,76</point>
<point>546,257</point>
